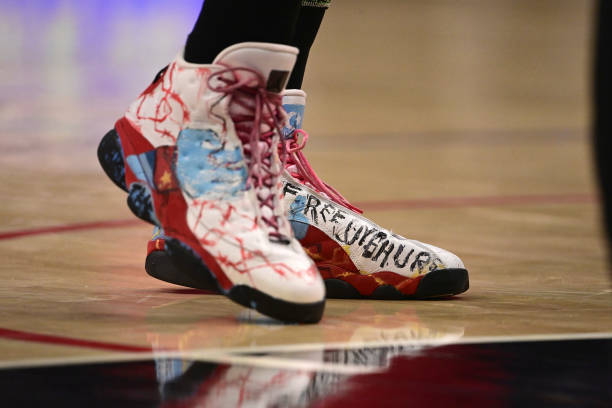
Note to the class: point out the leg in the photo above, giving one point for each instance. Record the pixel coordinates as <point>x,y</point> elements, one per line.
<point>222,23</point>
<point>283,22</point>
<point>307,27</point>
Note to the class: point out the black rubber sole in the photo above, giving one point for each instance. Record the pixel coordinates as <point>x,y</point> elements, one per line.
<point>277,308</point>
<point>110,156</point>
<point>180,264</point>
<point>161,266</point>
<point>172,269</point>
<point>179,257</point>
<point>442,283</point>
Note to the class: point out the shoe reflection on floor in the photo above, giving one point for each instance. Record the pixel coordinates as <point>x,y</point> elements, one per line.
<point>293,378</point>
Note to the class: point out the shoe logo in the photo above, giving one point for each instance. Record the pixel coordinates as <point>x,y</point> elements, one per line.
<point>277,81</point>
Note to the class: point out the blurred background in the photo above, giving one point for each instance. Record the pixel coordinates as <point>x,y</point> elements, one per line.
<point>406,100</point>
<point>378,68</point>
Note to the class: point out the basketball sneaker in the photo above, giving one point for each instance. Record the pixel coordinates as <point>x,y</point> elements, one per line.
<point>198,154</point>
<point>356,257</point>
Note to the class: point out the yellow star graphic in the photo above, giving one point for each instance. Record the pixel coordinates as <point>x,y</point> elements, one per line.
<point>165,179</point>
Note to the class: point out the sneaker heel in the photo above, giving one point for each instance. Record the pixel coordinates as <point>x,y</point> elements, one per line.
<point>110,156</point>
<point>141,203</point>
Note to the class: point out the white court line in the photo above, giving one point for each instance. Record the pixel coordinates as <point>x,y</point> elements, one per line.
<point>285,348</point>
<point>291,364</point>
<point>235,355</point>
<point>200,355</point>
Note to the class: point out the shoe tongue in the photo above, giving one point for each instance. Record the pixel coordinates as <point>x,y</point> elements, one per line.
<point>273,61</point>
<point>294,103</point>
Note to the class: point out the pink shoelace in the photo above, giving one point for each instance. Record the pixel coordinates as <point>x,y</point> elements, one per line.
<point>306,174</point>
<point>257,115</point>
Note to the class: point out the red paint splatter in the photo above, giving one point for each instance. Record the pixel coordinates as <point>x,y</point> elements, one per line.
<point>163,109</point>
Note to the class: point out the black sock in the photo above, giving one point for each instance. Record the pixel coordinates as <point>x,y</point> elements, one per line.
<point>225,22</point>
<point>306,29</point>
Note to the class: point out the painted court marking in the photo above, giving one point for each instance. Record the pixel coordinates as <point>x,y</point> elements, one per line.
<point>83,226</point>
<point>440,202</point>
<point>480,201</point>
<point>68,341</point>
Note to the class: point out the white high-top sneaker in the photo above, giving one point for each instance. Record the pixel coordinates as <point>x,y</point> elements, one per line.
<point>356,257</point>
<point>197,152</point>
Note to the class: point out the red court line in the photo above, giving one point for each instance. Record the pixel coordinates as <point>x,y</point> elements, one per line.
<point>68,341</point>
<point>84,226</point>
<point>440,202</point>
<point>479,201</point>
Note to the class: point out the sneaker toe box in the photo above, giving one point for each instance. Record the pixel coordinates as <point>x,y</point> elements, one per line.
<point>291,277</point>
<point>450,260</point>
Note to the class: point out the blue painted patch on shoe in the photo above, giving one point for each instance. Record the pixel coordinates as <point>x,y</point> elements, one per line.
<point>296,117</point>
<point>299,229</point>
<point>206,167</point>
<point>297,219</point>
<point>142,165</point>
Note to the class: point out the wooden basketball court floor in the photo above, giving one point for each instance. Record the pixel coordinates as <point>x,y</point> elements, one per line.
<point>461,124</point>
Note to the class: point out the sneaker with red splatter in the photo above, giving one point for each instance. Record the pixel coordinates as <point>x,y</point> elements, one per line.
<point>198,154</point>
